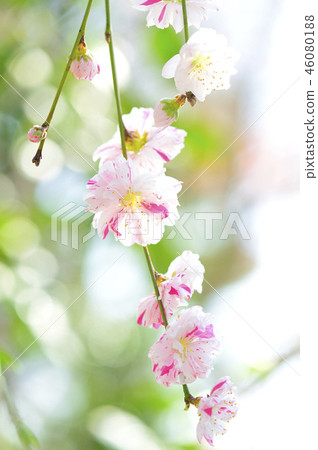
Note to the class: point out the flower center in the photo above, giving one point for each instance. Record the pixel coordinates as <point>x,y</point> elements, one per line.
<point>184,342</point>
<point>200,64</point>
<point>132,200</point>
<point>134,142</point>
<point>160,279</point>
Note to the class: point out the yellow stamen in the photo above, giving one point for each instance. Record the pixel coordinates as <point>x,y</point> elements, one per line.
<point>132,200</point>
<point>134,142</point>
<point>200,64</point>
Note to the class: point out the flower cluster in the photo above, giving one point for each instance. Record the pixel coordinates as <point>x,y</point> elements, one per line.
<point>187,348</point>
<point>135,199</point>
<point>132,197</point>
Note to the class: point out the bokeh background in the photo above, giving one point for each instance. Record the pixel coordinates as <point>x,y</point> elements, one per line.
<point>87,382</point>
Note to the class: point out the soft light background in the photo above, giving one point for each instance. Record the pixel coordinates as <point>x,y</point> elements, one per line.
<point>87,383</point>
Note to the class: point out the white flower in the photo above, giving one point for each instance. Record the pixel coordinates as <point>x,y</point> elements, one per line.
<point>205,63</point>
<point>184,276</point>
<point>186,349</point>
<point>132,203</point>
<point>147,146</point>
<point>163,13</point>
<point>216,410</point>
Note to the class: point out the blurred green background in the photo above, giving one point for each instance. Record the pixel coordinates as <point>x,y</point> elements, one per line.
<point>86,383</point>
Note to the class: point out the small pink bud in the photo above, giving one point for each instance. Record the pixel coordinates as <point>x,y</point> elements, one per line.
<point>167,110</point>
<point>84,66</point>
<point>161,118</point>
<point>37,133</point>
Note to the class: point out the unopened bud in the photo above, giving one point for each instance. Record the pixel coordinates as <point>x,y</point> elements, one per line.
<point>84,65</point>
<point>167,110</point>
<point>37,133</point>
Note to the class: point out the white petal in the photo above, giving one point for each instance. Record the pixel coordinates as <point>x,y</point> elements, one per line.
<point>169,69</point>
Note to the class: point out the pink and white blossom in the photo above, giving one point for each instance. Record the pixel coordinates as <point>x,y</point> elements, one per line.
<point>163,118</point>
<point>37,133</point>
<point>186,349</point>
<point>216,410</point>
<point>132,203</point>
<point>204,64</point>
<point>167,110</point>
<point>184,276</point>
<point>163,13</point>
<point>84,66</point>
<point>146,145</point>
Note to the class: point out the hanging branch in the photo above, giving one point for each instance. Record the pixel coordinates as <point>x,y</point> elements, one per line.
<point>123,132</point>
<point>185,21</point>
<point>45,126</point>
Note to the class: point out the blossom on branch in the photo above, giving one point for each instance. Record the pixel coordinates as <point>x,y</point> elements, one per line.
<point>163,13</point>
<point>216,410</point>
<point>84,65</point>
<point>184,276</point>
<point>167,110</point>
<point>146,145</point>
<point>132,203</point>
<point>204,64</point>
<point>186,349</point>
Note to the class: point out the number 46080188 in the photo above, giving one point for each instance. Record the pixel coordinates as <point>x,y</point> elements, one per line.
<point>309,44</point>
